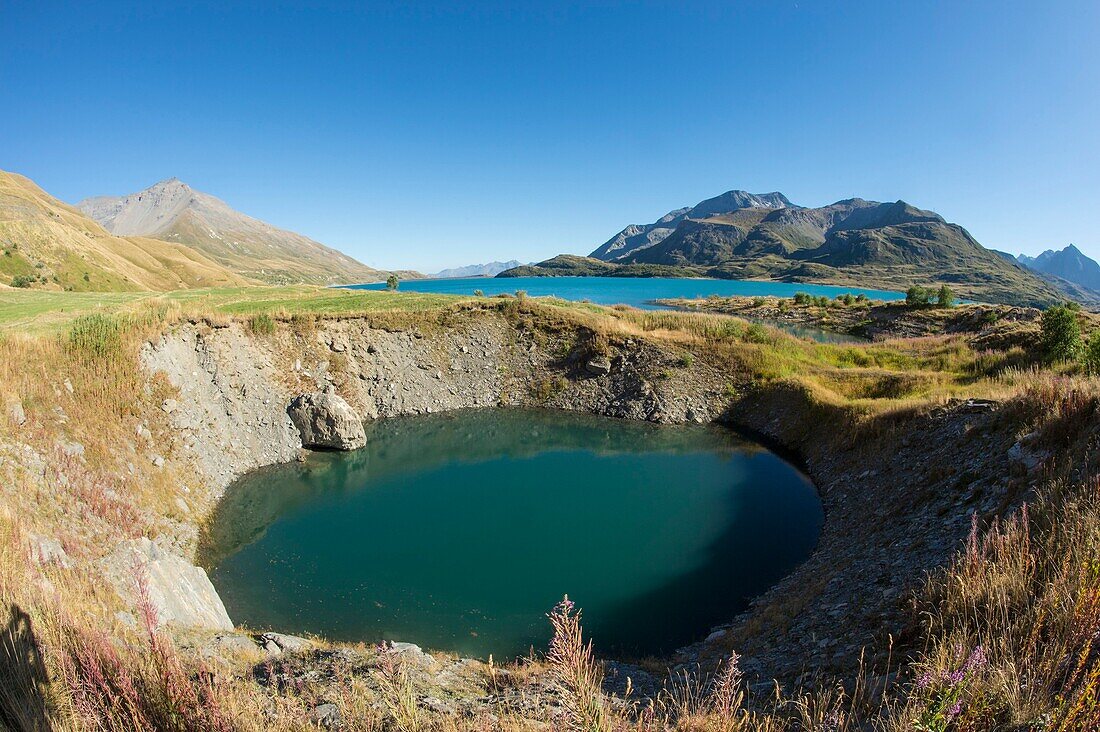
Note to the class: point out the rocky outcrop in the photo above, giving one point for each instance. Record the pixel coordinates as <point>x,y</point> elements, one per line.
<point>179,592</point>
<point>324,419</point>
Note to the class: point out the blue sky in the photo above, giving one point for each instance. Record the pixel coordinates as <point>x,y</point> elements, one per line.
<point>428,135</point>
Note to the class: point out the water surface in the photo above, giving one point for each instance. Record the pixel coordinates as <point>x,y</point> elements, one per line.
<point>636,291</point>
<point>460,531</point>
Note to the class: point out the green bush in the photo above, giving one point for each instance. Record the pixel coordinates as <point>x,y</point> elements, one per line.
<point>918,296</point>
<point>945,298</point>
<point>803,298</point>
<point>1092,354</point>
<point>262,324</point>
<point>756,333</point>
<point>392,282</point>
<point>686,360</point>
<point>95,337</point>
<point>758,302</point>
<point>23,280</point>
<point>1060,334</point>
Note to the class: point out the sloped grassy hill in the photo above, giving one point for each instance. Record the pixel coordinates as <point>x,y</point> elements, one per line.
<point>174,212</point>
<point>47,244</point>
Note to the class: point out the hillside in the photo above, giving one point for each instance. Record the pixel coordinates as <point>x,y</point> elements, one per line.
<point>173,211</point>
<point>47,244</point>
<point>853,242</point>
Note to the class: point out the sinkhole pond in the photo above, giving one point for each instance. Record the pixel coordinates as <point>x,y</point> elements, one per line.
<point>460,531</point>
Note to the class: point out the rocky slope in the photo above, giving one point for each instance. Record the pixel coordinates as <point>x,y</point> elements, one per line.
<point>851,242</point>
<point>48,244</point>
<point>224,411</point>
<point>1068,264</point>
<point>174,212</point>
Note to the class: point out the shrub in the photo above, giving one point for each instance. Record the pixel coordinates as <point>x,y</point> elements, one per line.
<point>1060,334</point>
<point>758,302</point>
<point>262,324</point>
<point>945,298</point>
<point>847,298</point>
<point>686,360</point>
<point>756,333</point>
<point>918,296</point>
<point>1092,354</point>
<point>822,301</point>
<point>479,293</point>
<point>95,337</point>
<point>803,298</point>
<point>392,282</point>
<point>23,281</point>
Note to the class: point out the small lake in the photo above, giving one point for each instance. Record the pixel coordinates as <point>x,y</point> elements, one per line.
<point>460,531</point>
<point>636,291</point>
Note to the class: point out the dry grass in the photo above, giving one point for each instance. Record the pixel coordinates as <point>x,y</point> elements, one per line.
<point>1009,629</point>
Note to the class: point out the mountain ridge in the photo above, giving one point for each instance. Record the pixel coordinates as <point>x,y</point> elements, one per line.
<point>49,244</point>
<point>852,242</point>
<point>171,210</point>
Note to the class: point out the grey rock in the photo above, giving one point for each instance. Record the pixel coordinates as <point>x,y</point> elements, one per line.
<point>598,366</point>
<point>46,550</point>
<point>276,643</point>
<point>326,716</point>
<point>169,405</point>
<point>324,419</point>
<point>15,412</point>
<point>180,593</point>
<point>72,449</point>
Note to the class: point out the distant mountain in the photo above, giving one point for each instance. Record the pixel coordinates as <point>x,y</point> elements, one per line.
<point>173,211</point>
<point>636,237</point>
<point>1069,264</point>
<point>489,269</point>
<point>853,242</point>
<point>48,244</point>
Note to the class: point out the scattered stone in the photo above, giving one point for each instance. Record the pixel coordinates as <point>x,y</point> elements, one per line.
<point>324,419</point>
<point>72,449</point>
<point>715,636</point>
<point>15,412</point>
<point>169,405</point>
<point>598,366</point>
<point>158,461</point>
<point>276,643</point>
<point>326,716</point>
<point>179,592</point>
<point>68,386</point>
<point>45,550</point>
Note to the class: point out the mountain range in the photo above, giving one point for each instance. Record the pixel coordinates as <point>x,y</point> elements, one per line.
<point>853,242</point>
<point>173,211</point>
<point>1069,264</point>
<point>489,269</point>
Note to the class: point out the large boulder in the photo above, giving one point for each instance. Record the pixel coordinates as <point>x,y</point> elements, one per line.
<point>179,592</point>
<point>324,419</point>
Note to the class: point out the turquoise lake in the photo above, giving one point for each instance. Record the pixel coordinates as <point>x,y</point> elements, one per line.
<point>460,531</point>
<point>636,291</point>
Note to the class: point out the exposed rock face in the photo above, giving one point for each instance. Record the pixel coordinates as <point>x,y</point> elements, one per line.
<point>180,592</point>
<point>598,366</point>
<point>324,419</point>
<point>15,413</point>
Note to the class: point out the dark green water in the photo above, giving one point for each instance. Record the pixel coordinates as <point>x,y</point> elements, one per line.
<point>460,531</point>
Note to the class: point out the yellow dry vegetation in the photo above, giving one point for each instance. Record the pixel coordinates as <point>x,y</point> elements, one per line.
<point>59,248</point>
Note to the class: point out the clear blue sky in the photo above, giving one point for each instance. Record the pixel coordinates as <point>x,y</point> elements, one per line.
<point>427,135</point>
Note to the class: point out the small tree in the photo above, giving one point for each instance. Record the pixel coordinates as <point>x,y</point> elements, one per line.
<point>1060,334</point>
<point>1092,354</point>
<point>945,298</point>
<point>917,296</point>
<point>392,282</point>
